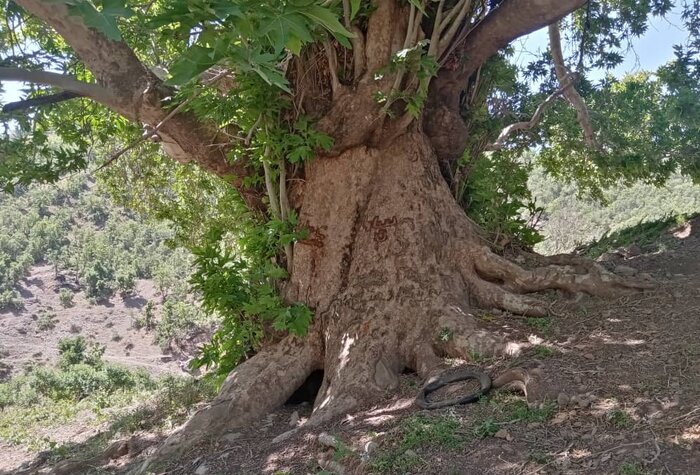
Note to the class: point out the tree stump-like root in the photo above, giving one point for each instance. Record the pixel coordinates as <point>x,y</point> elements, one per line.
<point>256,387</point>
<point>499,283</point>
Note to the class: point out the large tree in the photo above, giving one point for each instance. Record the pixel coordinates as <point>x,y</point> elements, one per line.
<point>356,124</point>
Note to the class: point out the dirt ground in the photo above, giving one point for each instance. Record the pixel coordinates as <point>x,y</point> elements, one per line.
<point>109,323</point>
<point>632,365</point>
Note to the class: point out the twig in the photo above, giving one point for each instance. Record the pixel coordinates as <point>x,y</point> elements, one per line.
<point>656,454</point>
<point>284,212</point>
<point>119,153</point>
<point>409,29</point>
<point>346,13</point>
<point>358,52</point>
<point>332,66</point>
<point>456,24</point>
<point>147,135</point>
<point>249,137</point>
<point>611,449</point>
<point>271,192</point>
<point>433,49</point>
<point>536,117</point>
<point>451,14</point>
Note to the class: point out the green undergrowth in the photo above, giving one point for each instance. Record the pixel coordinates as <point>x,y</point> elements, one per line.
<point>503,409</point>
<point>543,351</point>
<point>85,391</point>
<point>632,468</point>
<point>408,446</point>
<point>542,325</point>
<point>414,433</point>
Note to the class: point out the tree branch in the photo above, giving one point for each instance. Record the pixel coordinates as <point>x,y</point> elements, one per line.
<point>40,101</point>
<point>536,117</point>
<point>138,95</point>
<point>433,49</point>
<point>447,38</point>
<point>509,21</point>
<point>571,94</point>
<point>468,51</point>
<point>67,83</point>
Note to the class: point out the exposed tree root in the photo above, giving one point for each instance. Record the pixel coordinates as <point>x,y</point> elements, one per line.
<point>529,379</point>
<point>253,389</point>
<point>491,295</point>
<point>128,447</point>
<point>497,282</point>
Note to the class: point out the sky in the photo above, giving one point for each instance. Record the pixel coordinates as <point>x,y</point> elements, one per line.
<point>648,53</point>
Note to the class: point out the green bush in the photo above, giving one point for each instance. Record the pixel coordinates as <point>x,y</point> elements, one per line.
<point>238,283</point>
<point>81,380</point>
<point>496,196</point>
<point>65,296</point>
<point>177,318</point>
<point>98,280</point>
<point>46,321</point>
<point>77,350</point>
<point>10,299</point>
<point>125,280</point>
<point>147,320</point>
<point>73,382</point>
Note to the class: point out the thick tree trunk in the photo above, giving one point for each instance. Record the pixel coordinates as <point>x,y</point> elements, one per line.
<point>390,265</point>
<point>383,267</point>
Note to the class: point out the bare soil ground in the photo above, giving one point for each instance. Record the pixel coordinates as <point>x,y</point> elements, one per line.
<point>110,323</point>
<point>632,365</point>
<point>24,341</point>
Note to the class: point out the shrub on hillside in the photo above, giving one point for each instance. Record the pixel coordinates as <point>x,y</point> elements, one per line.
<point>126,280</point>
<point>77,350</point>
<point>10,299</point>
<point>146,320</point>
<point>46,321</point>
<point>98,279</point>
<point>177,318</point>
<point>65,296</point>
<point>80,374</point>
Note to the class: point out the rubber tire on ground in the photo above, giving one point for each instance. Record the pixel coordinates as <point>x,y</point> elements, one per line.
<point>483,378</point>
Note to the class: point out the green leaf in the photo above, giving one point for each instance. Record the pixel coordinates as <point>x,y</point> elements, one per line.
<point>106,25</point>
<point>272,77</point>
<point>327,19</point>
<point>354,8</point>
<point>294,45</point>
<point>225,8</point>
<point>196,60</point>
<point>116,9</point>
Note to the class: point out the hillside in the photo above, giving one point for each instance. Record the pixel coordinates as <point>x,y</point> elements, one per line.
<point>74,267</point>
<point>569,220</point>
<point>71,262</point>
